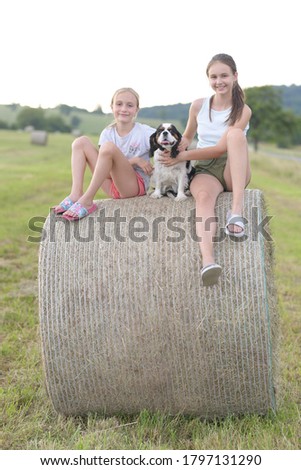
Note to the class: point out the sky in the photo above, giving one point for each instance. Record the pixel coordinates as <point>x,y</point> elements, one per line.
<point>79,52</point>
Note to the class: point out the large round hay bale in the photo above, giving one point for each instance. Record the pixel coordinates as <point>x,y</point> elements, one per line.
<point>126,324</point>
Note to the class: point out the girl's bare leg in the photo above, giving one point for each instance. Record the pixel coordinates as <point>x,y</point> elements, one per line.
<point>205,190</point>
<point>111,163</point>
<point>237,172</point>
<point>83,153</point>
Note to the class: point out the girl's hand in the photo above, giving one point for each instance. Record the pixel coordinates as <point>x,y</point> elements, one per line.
<point>166,159</point>
<point>184,144</point>
<point>144,165</point>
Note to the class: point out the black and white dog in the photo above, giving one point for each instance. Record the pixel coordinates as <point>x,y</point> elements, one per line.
<point>169,181</point>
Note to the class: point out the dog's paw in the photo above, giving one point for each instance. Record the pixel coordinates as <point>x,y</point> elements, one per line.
<point>180,197</point>
<point>156,195</point>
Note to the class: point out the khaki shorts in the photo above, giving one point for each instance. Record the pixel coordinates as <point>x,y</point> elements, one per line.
<point>214,167</point>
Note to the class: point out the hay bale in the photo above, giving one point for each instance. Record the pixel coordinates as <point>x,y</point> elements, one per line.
<point>39,137</point>
<point>126,324</point>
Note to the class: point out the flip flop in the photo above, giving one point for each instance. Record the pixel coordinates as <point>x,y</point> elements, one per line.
<point>239,221</point>
<point>210,274</point>
<point>63,206</point>
<point>79,211</point>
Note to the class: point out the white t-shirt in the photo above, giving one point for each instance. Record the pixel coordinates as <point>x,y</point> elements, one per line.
<point>134,144</point>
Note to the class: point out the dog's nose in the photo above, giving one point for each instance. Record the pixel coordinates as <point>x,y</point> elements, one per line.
<point>165,133</point>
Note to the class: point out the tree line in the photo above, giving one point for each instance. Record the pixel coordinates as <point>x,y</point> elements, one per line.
<point>273,118</point>
<point>36,118</point>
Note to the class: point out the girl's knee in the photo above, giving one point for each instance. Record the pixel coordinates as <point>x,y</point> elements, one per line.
<point>80,143</point>
<point>108,147</point>
<point>235,134</point>
<point>203,198</point>
<point>108,150</point>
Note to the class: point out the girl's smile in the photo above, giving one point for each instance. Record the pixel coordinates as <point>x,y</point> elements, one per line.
<point>221,77</point>
<point>125,107</point>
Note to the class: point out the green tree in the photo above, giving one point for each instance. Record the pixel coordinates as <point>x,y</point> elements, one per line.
<point>270,122</point>
<point>286,128</point>
<point>3,124</point>
<point>75,122</point>
<point>31,117</point>
<point>297,132</point>
<point>265,103</point>
<point>98,110</point>
<point>56,123</point>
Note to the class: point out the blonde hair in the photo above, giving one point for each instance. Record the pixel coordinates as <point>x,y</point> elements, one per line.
<point>124,90</point>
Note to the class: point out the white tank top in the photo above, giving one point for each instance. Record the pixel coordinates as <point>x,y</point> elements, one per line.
<point>209,132</point>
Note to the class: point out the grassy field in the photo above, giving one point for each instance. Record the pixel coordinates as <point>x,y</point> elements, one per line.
<point>34,178</point>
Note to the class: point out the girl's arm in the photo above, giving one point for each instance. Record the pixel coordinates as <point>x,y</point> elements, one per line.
<point>220,148</point>
<point>145,165</point>
<point>191,126</point>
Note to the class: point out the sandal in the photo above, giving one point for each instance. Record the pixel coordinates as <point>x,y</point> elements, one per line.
<point>79,211</point>
<point>210,274</point>
<point>63,206</point>
<point>239,221</point>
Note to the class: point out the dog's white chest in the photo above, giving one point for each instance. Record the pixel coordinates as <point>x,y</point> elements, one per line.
<point>169,173</point>
<point>169,178</point>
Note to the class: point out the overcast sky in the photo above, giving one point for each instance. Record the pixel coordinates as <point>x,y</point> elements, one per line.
<point>80,52</point>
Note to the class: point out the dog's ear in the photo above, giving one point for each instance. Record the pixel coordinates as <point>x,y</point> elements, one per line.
<point>176,133</point>
<point>153,144</point>
<point>174,151</point>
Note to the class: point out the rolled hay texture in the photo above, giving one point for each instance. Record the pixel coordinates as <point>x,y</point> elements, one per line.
<point>126,324</point>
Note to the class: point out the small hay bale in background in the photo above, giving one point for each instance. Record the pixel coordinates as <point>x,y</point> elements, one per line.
<point>76,132</point>
<point>39,137</point>
<point>29,129</point>
<point>126,324</point>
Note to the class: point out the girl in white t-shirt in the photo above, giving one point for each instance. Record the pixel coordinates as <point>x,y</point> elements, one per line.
<point>121,166</point>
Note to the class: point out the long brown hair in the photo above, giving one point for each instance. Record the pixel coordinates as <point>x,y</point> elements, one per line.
<point>238,97</point>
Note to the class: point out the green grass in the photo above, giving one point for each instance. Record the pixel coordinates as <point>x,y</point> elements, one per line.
<point>34,178</point>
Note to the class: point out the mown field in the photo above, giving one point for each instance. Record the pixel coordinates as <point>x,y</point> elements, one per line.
<point>34,178</point>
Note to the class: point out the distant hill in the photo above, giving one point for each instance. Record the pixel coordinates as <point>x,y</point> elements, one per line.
<point>93,122</point>
<point>167,113</point>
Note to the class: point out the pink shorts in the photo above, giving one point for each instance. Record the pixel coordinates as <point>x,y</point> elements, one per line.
<point>116,194</point>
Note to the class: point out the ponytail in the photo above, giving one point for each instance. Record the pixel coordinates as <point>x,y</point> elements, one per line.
<point>238,101</point>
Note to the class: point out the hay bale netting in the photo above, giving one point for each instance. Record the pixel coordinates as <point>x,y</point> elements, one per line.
<point>39,137</point>
<point>126,324</point>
